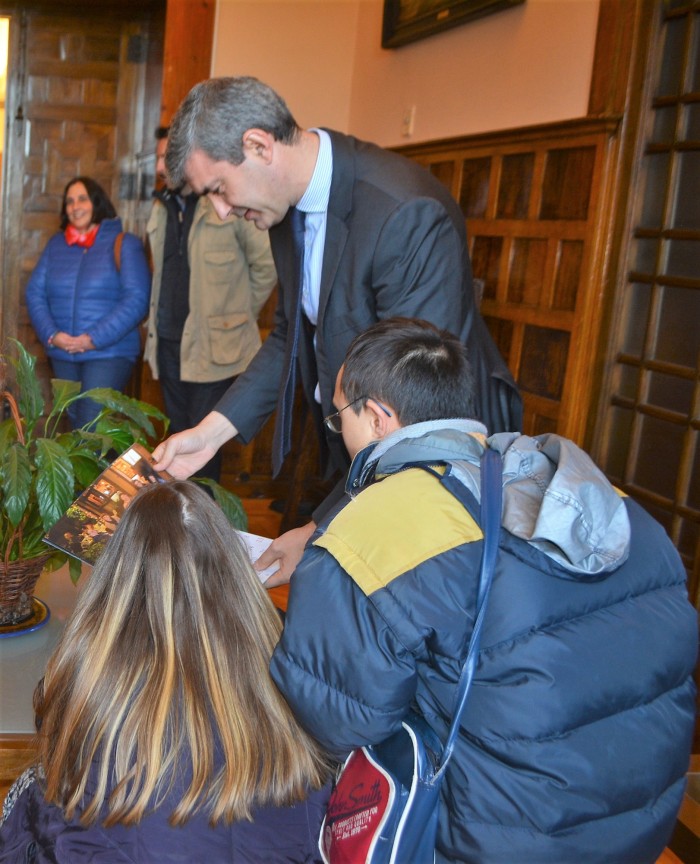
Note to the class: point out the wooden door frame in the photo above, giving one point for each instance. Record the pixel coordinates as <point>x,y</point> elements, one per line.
<point>10,225</point>
<point>618,85</point>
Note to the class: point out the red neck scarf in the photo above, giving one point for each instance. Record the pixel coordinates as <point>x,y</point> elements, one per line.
<point>75,238</point>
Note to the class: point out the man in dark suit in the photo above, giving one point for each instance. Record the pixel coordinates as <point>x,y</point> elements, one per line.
<point>381,238</point>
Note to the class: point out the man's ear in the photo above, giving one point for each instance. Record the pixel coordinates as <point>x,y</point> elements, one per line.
<point>258,144</point>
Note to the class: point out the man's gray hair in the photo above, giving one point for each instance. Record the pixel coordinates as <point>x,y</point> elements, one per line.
<point>216,114</point>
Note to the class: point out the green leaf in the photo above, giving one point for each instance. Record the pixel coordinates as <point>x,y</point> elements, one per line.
<point>8,434</point>
<point>16,482</point>
<point>121,439</point>
<point>55,483</point>
<point>231,504</point>
<point>33,546</point>
<point>30,400</point>
<point>75,568</point>
<point>151,411</point>
<point>115,401</point>
<point>57,559</point>
<point>63,393</point>
<point>82,441</point>
<point>86,466</point>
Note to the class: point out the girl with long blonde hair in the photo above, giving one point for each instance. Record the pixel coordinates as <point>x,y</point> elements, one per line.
<point>161,733</point>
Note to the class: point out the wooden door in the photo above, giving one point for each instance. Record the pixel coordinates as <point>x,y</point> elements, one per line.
<point>83,98</point>
<point>648,434</point>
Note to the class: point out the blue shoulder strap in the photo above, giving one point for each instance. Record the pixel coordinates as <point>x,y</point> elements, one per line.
<point>491,504</point>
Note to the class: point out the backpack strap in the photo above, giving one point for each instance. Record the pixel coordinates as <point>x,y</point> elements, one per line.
<point>118,250</point>
<point>491,504</point>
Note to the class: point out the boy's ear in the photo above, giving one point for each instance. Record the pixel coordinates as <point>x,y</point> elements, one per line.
<point>381,423</point>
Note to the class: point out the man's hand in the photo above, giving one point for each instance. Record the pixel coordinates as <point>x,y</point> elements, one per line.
<point>185,452</point>
<point>286,551</point>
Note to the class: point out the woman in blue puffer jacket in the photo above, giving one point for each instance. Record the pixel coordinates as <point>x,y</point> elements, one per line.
<point>85,300</point>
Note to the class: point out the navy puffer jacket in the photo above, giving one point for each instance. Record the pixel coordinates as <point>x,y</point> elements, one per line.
<point>577,731</point>
<point>76,290</point>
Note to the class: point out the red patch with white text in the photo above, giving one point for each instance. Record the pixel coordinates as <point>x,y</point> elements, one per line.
<point>357,811</point>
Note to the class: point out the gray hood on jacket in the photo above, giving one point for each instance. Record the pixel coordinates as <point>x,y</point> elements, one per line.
<point>554,496</point>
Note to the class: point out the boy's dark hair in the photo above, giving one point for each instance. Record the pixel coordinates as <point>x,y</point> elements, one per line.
<point>162,132</point>
<point>102,207</point>
<point>421,371</point>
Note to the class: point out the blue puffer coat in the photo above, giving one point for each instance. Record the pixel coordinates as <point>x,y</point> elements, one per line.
<point>78,290</point>
<point>577,732</point>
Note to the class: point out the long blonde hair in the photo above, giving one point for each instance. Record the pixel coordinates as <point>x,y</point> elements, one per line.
<point>162,666</point>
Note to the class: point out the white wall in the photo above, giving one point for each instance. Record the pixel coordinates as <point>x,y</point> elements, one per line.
<point>305,49</point>
<point>526,65</point>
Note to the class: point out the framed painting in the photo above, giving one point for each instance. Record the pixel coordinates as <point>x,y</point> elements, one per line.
<point>409,20</point>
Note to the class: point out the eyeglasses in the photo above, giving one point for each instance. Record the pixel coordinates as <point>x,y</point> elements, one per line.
<point>334,421</point>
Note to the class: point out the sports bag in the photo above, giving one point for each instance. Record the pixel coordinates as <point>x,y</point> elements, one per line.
<point>385,802</point>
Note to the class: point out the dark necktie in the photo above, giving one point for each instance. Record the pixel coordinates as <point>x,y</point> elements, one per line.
<point>282,439</point>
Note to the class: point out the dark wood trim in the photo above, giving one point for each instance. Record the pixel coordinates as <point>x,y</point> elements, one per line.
<point>524,134</point>
<point>70,8</point>
<point>640,24</point>
<point>189,39</point>
<point>614,56</point>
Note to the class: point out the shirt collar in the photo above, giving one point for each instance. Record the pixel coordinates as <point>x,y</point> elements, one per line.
<point>315,198</point>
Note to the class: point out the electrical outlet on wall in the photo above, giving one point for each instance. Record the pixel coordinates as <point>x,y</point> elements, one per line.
<point>408,120</point>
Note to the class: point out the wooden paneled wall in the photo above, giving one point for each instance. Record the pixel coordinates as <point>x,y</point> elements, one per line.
<point>536,207</point>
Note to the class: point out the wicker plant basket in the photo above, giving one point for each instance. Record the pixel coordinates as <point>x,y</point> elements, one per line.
<point>17,581</point>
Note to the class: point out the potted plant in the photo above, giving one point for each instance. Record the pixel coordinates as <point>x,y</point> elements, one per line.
<point>44,466</point>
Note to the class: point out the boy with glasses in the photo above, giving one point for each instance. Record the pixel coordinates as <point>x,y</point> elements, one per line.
<point>577,732</point>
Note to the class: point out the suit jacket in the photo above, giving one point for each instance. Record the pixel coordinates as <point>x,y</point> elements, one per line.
<point>395,245</point>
